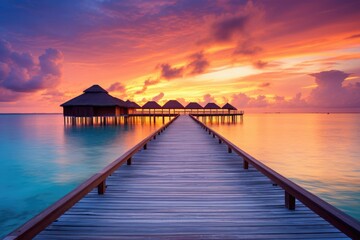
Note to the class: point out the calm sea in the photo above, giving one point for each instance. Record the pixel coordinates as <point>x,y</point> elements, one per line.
<point>41,159</point>
<point>320,152</point>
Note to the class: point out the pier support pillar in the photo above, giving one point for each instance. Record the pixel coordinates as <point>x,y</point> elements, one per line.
<point>289,201</point>
<point>102,187</point>
<point>229,150</point>
<point>145,146</point>
<point>246,164</point>
<point>128,162</point>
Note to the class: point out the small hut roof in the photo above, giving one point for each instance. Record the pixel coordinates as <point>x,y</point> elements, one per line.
<point>211,106</point>
<point>131,104</point>
<point>173,104</point>
<point>95,89</point>
<point>95,96</point>
<point>151,105</point>
<point>229,106</point>
<point>193,105</point>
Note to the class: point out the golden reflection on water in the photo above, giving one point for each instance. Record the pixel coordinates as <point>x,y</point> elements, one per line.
<point>318,151</point>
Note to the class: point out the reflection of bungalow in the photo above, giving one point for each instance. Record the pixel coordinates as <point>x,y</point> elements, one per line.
<point>212,106</point>
<point>193,106</point>
<point>151,105</point>
<point>229,107</point>
<point>94,102</point>
<point>173,104</point>
<point>132,106</point>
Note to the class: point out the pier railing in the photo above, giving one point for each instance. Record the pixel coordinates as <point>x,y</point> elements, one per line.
<point>339,219</point>
<point>53,212</point>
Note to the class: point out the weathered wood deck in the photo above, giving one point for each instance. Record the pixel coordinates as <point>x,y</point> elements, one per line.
<point>187,186</point>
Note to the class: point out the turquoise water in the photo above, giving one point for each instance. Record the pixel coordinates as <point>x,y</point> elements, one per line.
<point>320,152</point>
<point>41,159</point>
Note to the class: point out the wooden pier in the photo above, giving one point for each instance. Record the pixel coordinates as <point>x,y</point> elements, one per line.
<point>188,183</point>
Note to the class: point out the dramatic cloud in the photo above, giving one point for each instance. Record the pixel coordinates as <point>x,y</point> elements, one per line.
<point>117,87</point>
<point>148,82</point>
<point>260,64</point>
<point>8,96</point>
<point>330,91</point>
<point>206,99</point>
<point>227,28</point>
<point>241,100</point>
<point>169,72</point>
<point>247,47</point>
<point>20,72</point>
<point>158,97</point>
<point>264,85</point>
<point>198,64</point>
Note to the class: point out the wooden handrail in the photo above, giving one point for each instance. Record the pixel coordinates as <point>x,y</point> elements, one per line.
<point>345,223</point>
<point>53,212</point>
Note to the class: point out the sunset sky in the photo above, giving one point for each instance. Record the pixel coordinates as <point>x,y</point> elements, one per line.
<point>262,56</point>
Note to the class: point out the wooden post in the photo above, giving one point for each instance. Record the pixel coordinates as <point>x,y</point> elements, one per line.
<point>154,136</point>
<point>246,164</point>
<point>229,150</point>
<point>145,146</point>
<point>289,201</point>
<point>220,141</point>
<point>128,162</point>
<point>213,135</point>
<point>102,187</point>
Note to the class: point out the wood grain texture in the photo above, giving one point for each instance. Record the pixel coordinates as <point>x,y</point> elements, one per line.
<point>187,186</point>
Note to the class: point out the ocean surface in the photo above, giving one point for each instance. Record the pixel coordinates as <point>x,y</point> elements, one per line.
<point>320,152</point>
<point>41,160</point>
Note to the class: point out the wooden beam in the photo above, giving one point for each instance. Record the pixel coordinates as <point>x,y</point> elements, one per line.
<point>102,187</point>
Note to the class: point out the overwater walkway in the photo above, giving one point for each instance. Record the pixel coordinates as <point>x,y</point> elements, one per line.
<point>187,186</point>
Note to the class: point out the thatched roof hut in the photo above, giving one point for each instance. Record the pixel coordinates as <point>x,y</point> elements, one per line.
<point>211,106</point>
<point>229,107</point>
<point>173,104</point>
<point>131,104</point>
<point>95,101</point>
<point>151,105</point>
<point>95,96</point>
<point>193,105</point>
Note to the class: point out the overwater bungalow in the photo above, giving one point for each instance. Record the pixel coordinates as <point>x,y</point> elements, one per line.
<point>193,106</point>
<point>132,107</point>
<point>174,105</point>
<point>151,105</point>
<point>95,101</point>
<point>229,107</point>
<point>212,106</point>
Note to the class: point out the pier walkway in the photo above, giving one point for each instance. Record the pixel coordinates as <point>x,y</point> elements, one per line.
<point>187,186</point>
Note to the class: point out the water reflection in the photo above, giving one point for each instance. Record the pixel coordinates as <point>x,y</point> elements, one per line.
<point>318,151</point>
<point>41,159</point>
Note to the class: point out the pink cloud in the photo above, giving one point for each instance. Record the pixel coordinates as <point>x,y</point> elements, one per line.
<point>330,91</point>
<point>158,97</point>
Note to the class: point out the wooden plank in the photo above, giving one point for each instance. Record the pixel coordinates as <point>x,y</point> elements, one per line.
<point>186,186</point>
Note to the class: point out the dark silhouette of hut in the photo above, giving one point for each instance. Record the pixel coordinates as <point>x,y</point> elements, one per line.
<point>194,105</point>
<point>151,105</point>
<point>173,104</point>
<point>229,107</point>
<point>94,102</point>
<point>132,106</point>
<point>212,106</point>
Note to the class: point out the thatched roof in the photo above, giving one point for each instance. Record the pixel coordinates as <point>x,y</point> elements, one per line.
<point>211,106</point>
<point>151,105</point>
<point>95,96</point>
<point>95,89</point>
<point>193,105</point>
<point>173,104</point>
<point>131,104</point>
<point>229,106</point>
